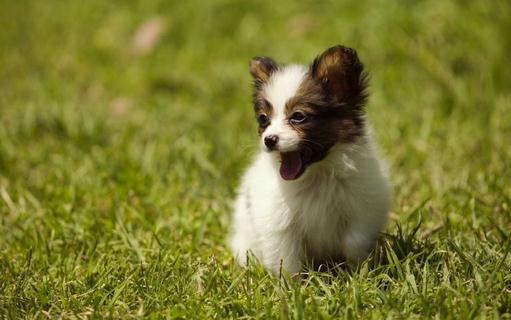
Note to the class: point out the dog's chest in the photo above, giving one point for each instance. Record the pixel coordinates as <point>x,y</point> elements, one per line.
<point>321,212</point>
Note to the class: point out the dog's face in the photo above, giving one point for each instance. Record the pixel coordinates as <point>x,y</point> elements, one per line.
<point>302,112</point>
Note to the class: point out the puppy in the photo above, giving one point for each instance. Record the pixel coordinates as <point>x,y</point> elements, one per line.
<point>317,191</point>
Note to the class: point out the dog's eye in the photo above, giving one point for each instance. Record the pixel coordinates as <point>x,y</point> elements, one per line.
<point>297,117</point>
<point>263,119</point>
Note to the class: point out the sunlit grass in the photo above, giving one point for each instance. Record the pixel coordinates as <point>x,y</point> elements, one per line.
<point>117,166</point>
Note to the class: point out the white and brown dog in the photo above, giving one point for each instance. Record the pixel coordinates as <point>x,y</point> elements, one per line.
<point>318,191</point>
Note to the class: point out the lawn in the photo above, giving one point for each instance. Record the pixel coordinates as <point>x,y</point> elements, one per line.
<point>125,127</point>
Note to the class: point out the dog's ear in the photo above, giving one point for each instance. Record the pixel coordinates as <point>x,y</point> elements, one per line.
<point>341,74</point>
<point>261,69</point>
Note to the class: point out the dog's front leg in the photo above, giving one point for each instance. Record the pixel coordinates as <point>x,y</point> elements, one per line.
<point>283,254</point>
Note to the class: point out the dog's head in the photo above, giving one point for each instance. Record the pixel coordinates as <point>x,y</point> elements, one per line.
<point>302,112</point>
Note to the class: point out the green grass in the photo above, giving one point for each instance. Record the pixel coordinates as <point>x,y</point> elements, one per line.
<point>117,170</point>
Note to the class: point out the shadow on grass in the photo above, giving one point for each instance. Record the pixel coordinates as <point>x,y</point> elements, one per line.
<point>391,252</point>
<point>400,245</point>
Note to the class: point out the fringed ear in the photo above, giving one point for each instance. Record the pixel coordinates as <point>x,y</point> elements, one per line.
<point>261,69</point>
<point>341,74</point>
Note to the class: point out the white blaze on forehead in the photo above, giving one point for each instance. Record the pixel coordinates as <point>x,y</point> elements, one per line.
<point>282,86</point>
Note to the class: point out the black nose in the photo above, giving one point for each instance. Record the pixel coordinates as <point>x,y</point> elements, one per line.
<point>270,141</point>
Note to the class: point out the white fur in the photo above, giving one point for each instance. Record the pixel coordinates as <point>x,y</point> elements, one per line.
<point>337,207</point>
<point>280,88</point>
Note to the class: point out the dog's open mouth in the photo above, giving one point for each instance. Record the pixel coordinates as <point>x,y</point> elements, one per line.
<point>293,164</point>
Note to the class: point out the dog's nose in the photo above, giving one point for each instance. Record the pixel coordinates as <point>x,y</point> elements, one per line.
<point>270,141</point>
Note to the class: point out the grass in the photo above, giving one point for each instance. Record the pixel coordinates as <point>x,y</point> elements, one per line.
<point>117,167</point>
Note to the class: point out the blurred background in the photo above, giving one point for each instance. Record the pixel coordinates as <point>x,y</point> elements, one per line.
<point>124,126</point>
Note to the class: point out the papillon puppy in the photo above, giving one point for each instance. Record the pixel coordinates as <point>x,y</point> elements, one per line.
<point>317,192</point>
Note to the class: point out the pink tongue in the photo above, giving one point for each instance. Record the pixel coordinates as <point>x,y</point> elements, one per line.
<point>291,165</point>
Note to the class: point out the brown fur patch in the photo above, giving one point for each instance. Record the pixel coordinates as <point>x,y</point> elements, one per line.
<point>262,106</point>
<point>332,97</point>
<point>342,74</point>
<point>307,96</point>
<point>328,119</point>
<point>261,69</point>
